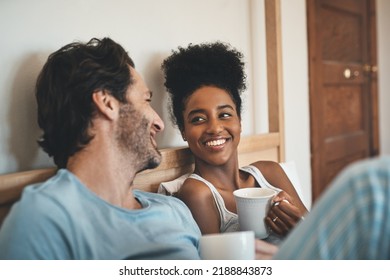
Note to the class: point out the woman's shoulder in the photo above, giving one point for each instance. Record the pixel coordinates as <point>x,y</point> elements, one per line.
<point>268,166</point>
<point>194,189</point>
<point>272,172</point>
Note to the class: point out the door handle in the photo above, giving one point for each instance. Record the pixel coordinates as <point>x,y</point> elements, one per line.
<point>348,74</point>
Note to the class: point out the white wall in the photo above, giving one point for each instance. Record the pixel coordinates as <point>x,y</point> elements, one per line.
<point>383,26</point>
<point>149,29</point>
<point>296,90</point>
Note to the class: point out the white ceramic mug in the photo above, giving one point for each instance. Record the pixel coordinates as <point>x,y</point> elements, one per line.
<point>239,245</point>
<point>252,208</point>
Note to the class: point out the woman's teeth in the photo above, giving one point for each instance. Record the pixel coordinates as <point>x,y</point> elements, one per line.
<point>215,142</point>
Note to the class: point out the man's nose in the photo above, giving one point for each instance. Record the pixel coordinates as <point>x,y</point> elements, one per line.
<point>158,123</point>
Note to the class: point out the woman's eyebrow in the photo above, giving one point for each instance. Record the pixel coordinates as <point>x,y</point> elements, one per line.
<point>195,111</point>
<point>220,107</point>
<point>225,106</point>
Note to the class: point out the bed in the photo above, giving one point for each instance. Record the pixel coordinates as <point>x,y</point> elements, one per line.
<point>178,161</point>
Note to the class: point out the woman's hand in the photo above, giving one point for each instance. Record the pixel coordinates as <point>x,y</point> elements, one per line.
<point>283,214</point>
<point>264,250</point>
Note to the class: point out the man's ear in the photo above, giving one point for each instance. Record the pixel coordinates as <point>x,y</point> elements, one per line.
<point>105,103</point>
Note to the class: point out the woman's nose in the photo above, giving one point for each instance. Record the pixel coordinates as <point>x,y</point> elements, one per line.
<point>214,126</point>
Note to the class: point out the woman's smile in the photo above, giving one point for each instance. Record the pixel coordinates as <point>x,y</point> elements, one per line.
<point>216,145</point>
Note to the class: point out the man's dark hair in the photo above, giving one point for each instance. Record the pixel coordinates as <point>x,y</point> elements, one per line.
<point>64,92</point>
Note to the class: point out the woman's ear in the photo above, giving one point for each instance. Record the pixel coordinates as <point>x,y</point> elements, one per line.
<point>105,103</point>
<point>183,135</point>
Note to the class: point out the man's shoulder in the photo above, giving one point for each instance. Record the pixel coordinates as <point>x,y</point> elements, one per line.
<point>160,199</point>
<point>52,187</point>
<point>55,192</point>
<point>154,197</point>
<point>364,171</point>
<point>39,205</point>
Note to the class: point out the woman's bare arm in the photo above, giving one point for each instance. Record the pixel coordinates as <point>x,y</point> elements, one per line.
<point>199,199</point>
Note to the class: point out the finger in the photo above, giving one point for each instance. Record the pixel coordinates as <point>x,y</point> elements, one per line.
<point>272,226</point>
<point>282,226</point>
<point>264,250</point>
<point>288,210</point>
<point>280,196</point>
<point>261,256</point>
<point>281,220</point>
<point>277,225</point>
<point>265,247</point>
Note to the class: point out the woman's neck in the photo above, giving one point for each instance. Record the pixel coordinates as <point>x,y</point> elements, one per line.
<point>226,176</point>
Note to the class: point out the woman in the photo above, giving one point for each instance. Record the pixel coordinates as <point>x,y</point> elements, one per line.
<point>205,82</point>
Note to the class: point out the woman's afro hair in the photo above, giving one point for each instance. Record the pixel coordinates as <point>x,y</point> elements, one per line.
<point>209,64</point>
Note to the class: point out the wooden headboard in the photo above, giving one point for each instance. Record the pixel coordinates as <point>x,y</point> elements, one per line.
<point>178,161</point>
<point>175,162</point>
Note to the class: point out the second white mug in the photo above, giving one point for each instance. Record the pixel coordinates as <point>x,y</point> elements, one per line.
<point>239,245</point>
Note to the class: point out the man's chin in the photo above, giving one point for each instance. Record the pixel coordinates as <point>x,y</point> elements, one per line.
<point>153,162</point>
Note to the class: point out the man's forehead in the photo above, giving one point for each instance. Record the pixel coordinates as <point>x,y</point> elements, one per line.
<point>135,76</point>
<point>139,81</point>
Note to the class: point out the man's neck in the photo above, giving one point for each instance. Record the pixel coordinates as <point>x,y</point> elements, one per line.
<point>105,172</point>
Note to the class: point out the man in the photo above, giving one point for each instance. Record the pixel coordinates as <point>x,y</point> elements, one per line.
<point>98,125</point>
<point>350,220</point>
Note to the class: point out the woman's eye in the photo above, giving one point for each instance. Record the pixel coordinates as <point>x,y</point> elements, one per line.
<point>225,115</point>
<point>197,119</point>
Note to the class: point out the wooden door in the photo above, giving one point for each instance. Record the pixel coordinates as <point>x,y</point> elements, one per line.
<point>342,73</point>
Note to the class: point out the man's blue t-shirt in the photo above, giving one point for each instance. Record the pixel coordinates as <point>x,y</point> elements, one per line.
<point>63,219</point>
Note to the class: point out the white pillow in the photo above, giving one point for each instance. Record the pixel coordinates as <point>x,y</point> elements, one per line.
<point>171,187</point>
<point>291,171</point>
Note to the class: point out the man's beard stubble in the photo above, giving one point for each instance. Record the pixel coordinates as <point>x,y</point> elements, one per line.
<point>133,138</point>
